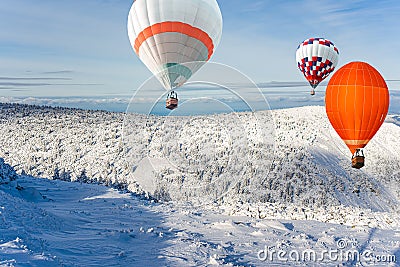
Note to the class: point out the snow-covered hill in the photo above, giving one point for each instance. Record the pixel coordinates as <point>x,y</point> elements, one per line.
<point>55,223</point>
<point>259,162</point>
<point>278,181</point>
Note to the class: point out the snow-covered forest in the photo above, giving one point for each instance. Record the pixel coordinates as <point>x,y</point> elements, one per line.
<point>254,163</point>
<point>228,184</point>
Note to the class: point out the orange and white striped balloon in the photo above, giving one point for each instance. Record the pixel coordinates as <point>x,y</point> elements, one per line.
<point>165,34</point>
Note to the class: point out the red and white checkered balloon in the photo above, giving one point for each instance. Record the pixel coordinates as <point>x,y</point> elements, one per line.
<point>316,59</point>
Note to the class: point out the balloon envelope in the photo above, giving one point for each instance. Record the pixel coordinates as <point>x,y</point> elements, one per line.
<point>316,59</point>
<point>167,33</point>
<point>357,102</point>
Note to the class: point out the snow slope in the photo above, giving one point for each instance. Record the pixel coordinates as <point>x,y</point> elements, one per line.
<point>286,157</point>
<point>279,179</point>
<point>56,223</point>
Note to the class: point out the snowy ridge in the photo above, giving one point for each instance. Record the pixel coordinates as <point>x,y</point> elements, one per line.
<point>62,143</point>
<point>56,223</point>
<point>301,164</point>
<point>308,198</point>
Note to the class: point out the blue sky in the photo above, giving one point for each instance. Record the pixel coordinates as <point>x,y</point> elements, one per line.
<point>57,48</point>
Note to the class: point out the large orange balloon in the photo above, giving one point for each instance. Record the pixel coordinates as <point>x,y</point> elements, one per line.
<point>357,102</point>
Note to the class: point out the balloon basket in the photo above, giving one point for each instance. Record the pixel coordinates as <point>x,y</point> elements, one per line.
<point>172,103</point>
<point>357,162</point>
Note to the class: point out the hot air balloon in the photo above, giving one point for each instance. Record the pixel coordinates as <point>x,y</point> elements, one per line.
<point>166,34</point>
<point>316,59</point>
<point>357,102</point>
